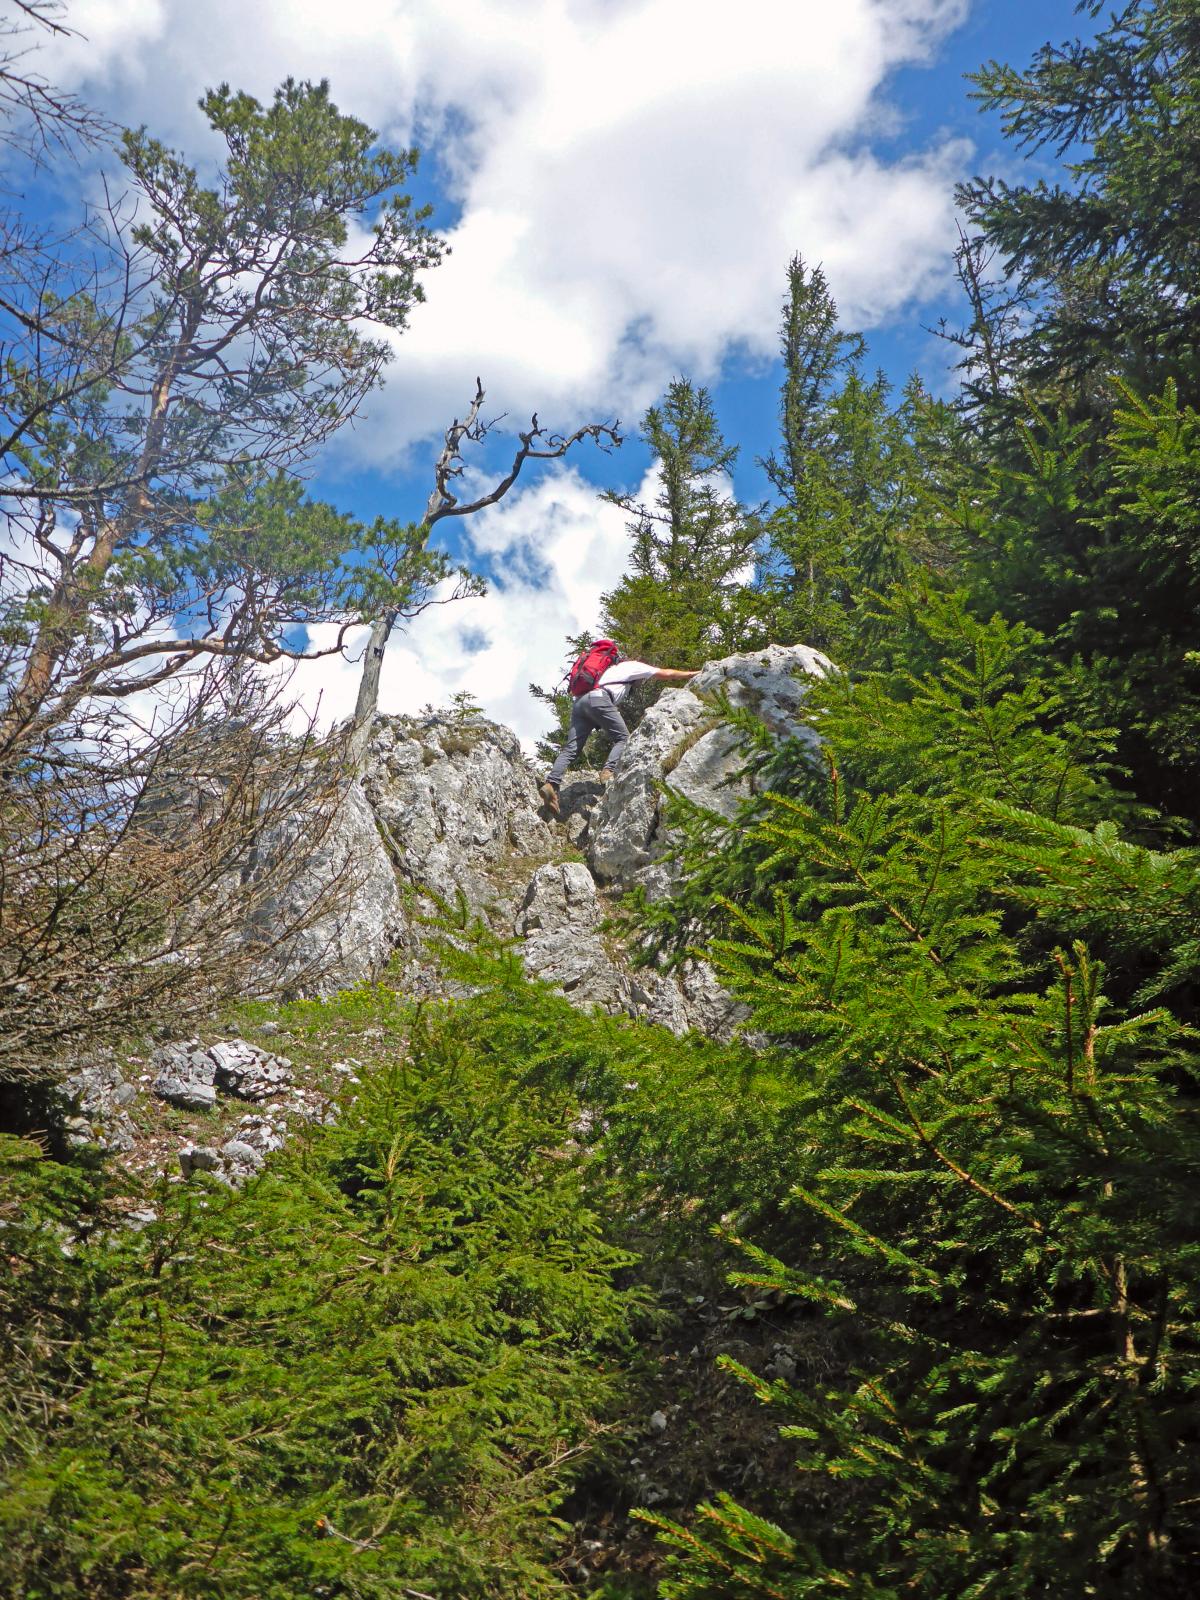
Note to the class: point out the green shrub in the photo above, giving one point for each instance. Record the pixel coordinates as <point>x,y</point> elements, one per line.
<point>986,992</point>
<point>389,1339</point>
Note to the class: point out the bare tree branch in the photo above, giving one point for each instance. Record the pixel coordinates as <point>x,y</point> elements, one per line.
<point>44,117</point>
<point>535,445</point>
<point>141,869</point>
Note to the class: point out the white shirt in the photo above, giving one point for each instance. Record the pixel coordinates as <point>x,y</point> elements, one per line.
<point>618,678</point>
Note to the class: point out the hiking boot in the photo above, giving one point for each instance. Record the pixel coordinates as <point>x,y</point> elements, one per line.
<point>549,795</point>
<point>606,775</point>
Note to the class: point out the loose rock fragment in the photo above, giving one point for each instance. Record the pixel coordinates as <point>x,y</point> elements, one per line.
<point>184,1075</point>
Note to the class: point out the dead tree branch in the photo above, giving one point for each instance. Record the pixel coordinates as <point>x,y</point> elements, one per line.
<point>535,444</point>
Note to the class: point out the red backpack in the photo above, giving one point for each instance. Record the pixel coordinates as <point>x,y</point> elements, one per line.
<point>591,666</point>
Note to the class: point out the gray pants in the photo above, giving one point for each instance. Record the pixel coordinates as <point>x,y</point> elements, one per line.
<point>591,711</point>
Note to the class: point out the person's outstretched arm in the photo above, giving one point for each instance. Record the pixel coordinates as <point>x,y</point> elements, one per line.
<point>673,672</point>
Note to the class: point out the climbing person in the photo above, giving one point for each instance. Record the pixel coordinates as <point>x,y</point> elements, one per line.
<point>598,682</point>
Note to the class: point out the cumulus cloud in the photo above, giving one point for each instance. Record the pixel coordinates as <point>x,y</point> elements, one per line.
<point>556,548</point>
<point>625,181</point>
<point>628,177</point>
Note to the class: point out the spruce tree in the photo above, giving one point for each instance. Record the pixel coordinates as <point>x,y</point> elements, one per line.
<point>849,471</point>
<point>1081,376</point>
<point>374,1371</point>
<point>687,596</point>
<point>1103,261</point>
<point>984,987</point>
<point>1089,536</point>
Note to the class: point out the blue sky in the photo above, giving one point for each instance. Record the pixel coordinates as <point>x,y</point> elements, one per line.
<point>623,183</point>
<point>933,100</point>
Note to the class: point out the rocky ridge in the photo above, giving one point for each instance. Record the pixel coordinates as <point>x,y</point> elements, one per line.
<point>448,807</point>
<point>450,804</point>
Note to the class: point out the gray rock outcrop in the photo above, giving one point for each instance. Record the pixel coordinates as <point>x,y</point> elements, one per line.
<point>204,1078</point>
<point>102,1098</point>
<point>456,801</point>
<point>446,804</point>
<point>682,741</point>
<point>184,1075</point>
<point>188,1073</point>
<point>559,925</point>
<point>349,876</point>
<point>448,807</point>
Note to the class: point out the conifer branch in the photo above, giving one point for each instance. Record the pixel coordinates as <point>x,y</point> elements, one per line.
<point>959,1172</point>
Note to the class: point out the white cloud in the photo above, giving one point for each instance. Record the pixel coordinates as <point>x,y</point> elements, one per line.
<point>629,178</point>
<point>558,547</point>
<point>632,175</point>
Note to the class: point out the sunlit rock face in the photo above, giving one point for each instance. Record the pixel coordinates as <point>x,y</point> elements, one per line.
<point>347,877</point>
<point>682,742</point>
<point>448,807</point>
<point>457,799</point>
<point>559,926</point>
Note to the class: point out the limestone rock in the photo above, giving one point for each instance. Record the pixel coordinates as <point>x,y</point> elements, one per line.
<point>241,1160</point>
<point>184,1075</point>
<point>578,798</point>
<point>688,1000</point>
<point>622,836</point>
<point>559,920</point>
<point>261,1133</point>
<point>351,940</point>
<point>445,803</point>
<point>559,896</point>
<point>771,683</point>
<point>682,742</point>
<point>103,1097</point>
<point>456,799</point>
<point>448,803</point>
<point>248,1072</point>
<point>199,1158</point>
<point>190,1073</point>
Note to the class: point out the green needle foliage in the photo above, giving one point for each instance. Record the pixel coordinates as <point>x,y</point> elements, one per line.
<point>1092,541</point>
<point>1081,375</point>
<point>852,473</point>
<point>1101,261</point>
<point>956,1152</point>
<point>963,965</point>
<point>389,1339</point>
<point>685,598</point>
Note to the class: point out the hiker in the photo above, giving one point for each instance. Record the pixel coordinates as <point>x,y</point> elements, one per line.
<point>599,681</point>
